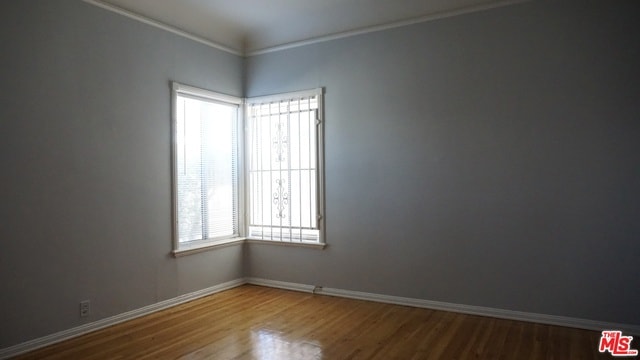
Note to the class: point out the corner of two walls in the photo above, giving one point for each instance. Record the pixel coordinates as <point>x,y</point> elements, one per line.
<point>487,159</point>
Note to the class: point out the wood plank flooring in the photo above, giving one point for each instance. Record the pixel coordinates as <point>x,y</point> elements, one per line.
<point>253,322</point>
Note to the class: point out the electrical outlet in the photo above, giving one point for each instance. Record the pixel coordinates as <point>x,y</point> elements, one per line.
<point>85,308</point>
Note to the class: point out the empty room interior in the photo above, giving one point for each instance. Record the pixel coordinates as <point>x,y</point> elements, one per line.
<point>466,169</point>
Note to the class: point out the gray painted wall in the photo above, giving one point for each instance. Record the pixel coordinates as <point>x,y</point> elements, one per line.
<point>490,159</point>
<point>85,209</point>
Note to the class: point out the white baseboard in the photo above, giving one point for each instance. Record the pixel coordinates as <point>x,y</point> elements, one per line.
<point>100,324</point>
<point>281,284</point>
<point>586,324</point>
<point>632,329</point>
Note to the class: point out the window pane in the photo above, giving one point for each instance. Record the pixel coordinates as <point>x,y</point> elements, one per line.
<point>282,170</point>
<point>206,164</point>
<point>219,152</point>
<point>188,172</point>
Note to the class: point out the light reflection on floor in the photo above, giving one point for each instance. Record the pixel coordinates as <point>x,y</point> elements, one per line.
<point>271,345</point>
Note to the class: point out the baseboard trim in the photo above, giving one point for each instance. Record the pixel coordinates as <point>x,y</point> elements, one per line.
<point>586,324</point>
<point>281,285</point>
<point>458,308</point>
<point>100,324</point>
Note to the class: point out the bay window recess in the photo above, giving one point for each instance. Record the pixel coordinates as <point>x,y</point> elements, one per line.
<point>246,172</point>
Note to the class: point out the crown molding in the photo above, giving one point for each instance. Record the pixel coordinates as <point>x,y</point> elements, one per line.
<point>163,26</point>
<point>295,44</point>
<point>387,26</point>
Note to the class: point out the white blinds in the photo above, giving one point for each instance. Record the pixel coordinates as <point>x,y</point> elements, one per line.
<point>283,175</point>
<point>206,168</point>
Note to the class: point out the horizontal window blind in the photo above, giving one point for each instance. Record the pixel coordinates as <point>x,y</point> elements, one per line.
<point>206,158</point>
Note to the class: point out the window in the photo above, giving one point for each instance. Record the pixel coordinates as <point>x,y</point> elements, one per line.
<point>278,195</point>
<point>206,177</point>
<point>284,149</point>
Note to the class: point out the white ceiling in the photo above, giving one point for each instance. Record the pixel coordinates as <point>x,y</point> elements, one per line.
<point>249,26</point>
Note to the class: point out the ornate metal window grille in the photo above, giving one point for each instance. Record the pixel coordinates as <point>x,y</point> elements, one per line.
<point>284,148</point>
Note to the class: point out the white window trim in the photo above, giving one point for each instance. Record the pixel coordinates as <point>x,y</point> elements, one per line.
<point>200,245</point>
<point>319,92</point>
<point>205,245</point>
<point>206,94</point>
<point>311,245</point>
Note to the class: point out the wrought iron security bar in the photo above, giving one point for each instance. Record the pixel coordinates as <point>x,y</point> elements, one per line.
<point>283,173</point>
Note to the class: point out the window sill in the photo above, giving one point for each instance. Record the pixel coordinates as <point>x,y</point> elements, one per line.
<point>287,243</point>
<point>206,246</point>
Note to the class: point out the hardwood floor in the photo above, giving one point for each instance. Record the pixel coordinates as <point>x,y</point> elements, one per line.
<point>252,322</point>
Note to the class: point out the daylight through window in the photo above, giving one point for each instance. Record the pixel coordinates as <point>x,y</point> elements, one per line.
<point>258,176</point>
<point>284,193</point>
<point>206,167</point>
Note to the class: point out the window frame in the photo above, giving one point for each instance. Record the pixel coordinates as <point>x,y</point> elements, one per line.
<point>319,139</point>
<point>180,249</point>
<point>178,89</point>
